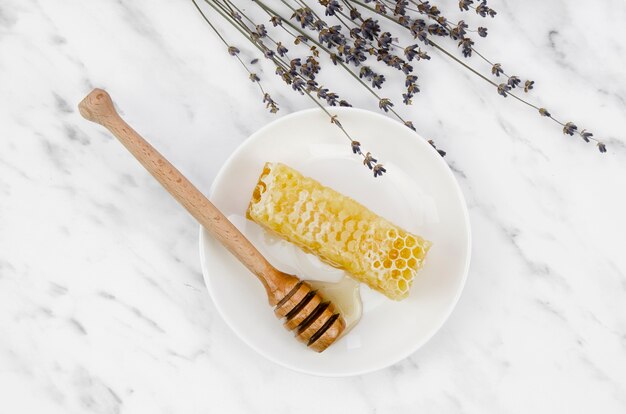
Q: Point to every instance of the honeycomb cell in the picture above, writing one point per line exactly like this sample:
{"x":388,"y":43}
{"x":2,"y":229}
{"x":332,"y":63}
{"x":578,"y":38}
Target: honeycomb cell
{"x":412,"y":262}
{"x":410,"y":241}
{"x":351,"y":245}
{"x":387,"y":264}
{"x":357,"y":235}
{"x":400,"y":263}
{"x":402,"y":285}
{"x":258,"y":190}
{"x":393,"y":254}
{"x":407,"y":274}
{"x":395,"y":273}
{"x":398,"y":243}
{"x":405,"y":253}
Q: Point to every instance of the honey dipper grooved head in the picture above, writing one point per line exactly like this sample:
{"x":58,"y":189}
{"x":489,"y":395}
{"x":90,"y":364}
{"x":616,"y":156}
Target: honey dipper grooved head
{"x":315,"y":321}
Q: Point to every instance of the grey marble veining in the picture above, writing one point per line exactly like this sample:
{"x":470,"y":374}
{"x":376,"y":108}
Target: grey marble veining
{"x":102,"y":304}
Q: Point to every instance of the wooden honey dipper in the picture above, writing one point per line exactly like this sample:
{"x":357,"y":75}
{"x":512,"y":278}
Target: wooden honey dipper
{"x":315,"y":321}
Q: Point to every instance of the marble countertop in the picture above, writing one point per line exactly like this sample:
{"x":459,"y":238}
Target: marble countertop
{"x":103,"y":308}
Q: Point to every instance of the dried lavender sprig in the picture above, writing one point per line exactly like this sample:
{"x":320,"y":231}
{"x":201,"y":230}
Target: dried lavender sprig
{"x":376,"y":79}
{"x":481,"y":10}
{"x":447,"y":25}
{"x":405,"y":68}
{"x":496,"y":67}
{"x":569,"y":128}
{"x":424,"y":8}
{"x":344,"y":24}
{"x":232,"y":6}
{"x":412,"y":87}
{"x":245,"y":31}
{"x":226,"y":11}
{"x":352,"y":10}
{"x":336,"y":13}
{"x":245,"y":16}
{"x":233,"y":51}
{"x":383,"y":102}
{"x":285,"y":67}
{"x":303,"y":4}
{"x":503,"y":89}
{"x":366,"y":71}
{"x":368,"y":160}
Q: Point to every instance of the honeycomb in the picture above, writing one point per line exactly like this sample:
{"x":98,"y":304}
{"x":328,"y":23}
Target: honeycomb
{"x":339,"y":230}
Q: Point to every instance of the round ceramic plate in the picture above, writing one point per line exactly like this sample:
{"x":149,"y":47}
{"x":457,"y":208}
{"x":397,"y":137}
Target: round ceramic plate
{"x":418,"y":193}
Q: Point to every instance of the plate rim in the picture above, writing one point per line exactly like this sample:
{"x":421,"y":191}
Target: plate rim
{"x":400,"y":356}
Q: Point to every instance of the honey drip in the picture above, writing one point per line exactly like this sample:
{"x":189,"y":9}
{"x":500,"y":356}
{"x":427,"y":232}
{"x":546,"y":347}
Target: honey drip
{"x":345,"y":296}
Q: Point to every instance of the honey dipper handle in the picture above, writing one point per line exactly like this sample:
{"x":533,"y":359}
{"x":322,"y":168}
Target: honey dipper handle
{"x":98,"y":107}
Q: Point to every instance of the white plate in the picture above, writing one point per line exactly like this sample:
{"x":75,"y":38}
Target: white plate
{"x":418,"y":193}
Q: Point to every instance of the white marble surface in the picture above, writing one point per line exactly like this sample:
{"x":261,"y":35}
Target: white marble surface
{"x":102,"y":304}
